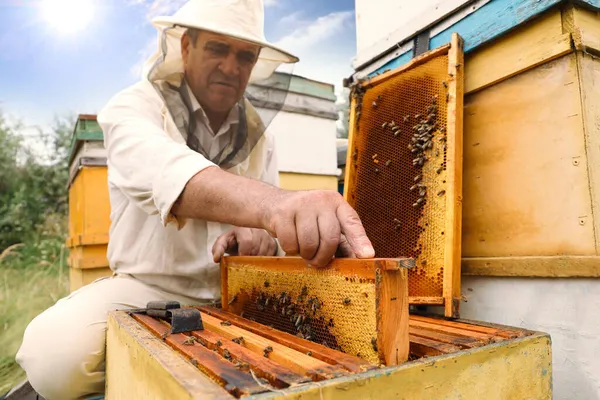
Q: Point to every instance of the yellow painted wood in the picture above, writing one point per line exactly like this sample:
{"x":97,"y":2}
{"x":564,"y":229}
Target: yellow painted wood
{"x":82,"y":277}
{"x":589,"y":81}
{"x":526,"y":185}
{"x":585,"y":25}
{"x":533,"y":44}
{"x":542,"y":267}
{"x":139,"y":366}
{"x":294,"y":181}
{"x":84,"y":257}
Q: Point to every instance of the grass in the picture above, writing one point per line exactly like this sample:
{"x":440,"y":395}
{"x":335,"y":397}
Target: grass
{"x":32,"y":278}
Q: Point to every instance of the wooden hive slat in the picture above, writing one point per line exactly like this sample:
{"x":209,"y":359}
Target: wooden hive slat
{"x":292,"y":359}
{"x":320,"y":352}
{"x":211,"y":363}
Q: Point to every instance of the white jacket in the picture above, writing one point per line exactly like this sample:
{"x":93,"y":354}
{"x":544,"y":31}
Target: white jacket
{"x":149,"y":165}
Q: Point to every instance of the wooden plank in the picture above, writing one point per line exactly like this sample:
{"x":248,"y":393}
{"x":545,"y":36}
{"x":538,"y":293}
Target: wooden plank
{"x":527,"y":47}
{"x":540,"y":267}
{"x":460,"y":341}
{"x":320,"y":352}
{"x":224,"y":283}
{"x":141,"y":366}
{"x":586,"y":30}
{"x":292,"y":359}
{"x":456,"y":331}
{"x":277,"y":375}
{"x":222,"y":371}
{"x":420,"y":59}
{"x":519,"y":202}
{"x":423,"y":347}
{"x":589,"y":82}
{"x":426,"y":300}
{"x":454,"y":156}
{"x":363,"y":268}
{"x":392,"y":316}
{"x":509,"y":334}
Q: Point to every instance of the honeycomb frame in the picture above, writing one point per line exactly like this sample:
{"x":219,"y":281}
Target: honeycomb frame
{"x":358,"y":307}
{"x":404,"y":169}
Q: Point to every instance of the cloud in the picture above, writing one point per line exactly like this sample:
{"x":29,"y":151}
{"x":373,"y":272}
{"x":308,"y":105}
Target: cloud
{"x":318,"y":31}
{"x":144,"y":54}
{"x":325,"y":47}
{"x":160,"y":7}
{"x":270,"y":3}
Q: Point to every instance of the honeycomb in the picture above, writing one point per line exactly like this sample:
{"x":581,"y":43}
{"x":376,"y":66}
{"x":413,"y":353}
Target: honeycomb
{"x":399,"y":169}
{"x":315,"y":304}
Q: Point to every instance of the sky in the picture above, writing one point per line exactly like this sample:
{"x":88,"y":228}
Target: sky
{"x":71,"y":56}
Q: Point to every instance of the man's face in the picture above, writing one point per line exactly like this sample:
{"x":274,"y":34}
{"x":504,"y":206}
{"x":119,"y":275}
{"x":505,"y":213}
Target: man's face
{"x":217,"y":68}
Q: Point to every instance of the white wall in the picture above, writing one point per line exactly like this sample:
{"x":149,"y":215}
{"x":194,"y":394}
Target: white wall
{"x":567,"y":309}
{"x":382,"y":24}
{"x":305,"y":144}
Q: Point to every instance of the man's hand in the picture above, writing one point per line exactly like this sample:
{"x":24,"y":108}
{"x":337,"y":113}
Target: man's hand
{"x":244,"y":242}
{"x":316,"y":225}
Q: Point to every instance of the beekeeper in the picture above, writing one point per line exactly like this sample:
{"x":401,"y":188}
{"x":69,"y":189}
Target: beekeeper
{"x":192,"y":175}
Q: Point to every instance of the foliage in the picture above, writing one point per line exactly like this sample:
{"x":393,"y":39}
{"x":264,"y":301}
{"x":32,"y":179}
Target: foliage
{"x":33,"y":179}
{"x":33,"y":227}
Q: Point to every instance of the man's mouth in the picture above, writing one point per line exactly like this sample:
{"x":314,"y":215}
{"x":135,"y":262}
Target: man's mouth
{"x":227,"y":84}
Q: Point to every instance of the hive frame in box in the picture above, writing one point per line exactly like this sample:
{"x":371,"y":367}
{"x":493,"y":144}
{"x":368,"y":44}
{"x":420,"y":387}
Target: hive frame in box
{"x":377,"y":310}
{"x":447,"y":250}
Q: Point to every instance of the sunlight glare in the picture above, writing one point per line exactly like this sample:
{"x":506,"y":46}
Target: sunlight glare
{"x":67,"y":16}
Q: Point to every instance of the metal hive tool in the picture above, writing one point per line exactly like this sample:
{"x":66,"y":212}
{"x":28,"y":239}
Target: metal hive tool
{"x":404,"y":169}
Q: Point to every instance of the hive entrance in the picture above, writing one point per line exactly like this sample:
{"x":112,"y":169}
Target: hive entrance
{"x":403,"y":173}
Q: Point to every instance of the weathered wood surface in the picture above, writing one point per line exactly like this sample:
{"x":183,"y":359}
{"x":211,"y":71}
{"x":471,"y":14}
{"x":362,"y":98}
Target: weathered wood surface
{"x":320,"y":352}
{"x":209,"y":362}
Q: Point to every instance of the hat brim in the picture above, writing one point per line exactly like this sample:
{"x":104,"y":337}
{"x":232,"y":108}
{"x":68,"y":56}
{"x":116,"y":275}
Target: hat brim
{"x":273,"y":53}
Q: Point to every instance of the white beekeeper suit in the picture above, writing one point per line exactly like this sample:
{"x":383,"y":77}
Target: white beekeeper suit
{"x":157,"y":137}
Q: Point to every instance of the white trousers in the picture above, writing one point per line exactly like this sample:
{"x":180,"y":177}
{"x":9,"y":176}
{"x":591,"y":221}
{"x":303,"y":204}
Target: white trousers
{"x":63,"y":349}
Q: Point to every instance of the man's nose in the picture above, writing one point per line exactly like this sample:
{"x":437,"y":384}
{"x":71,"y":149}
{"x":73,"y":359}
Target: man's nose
{"x":230,"y":66}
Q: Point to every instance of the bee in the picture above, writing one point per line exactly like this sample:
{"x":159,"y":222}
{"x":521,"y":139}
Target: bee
{"x":384,"y":125}
{"x":189,"y":341}
{"x":374,"y":105}
{"x":226,"y":323}
{"x":304,"y":291}
{"x":388,"y":162}
{"x":380,"y":97}
{"x":267,"y":284}
{"x":267,"y":301}
{"x":447,"y":97}
{"x":309,"y":353}
{"x":445,"y":84}
{"x":238,"y":340}
{"x":439,"y":170}
{"x":413,"y":187}
{"x":437,"y":152}
{"x":267,"y":350}
{"x":374,"y":344}
{"x":219,"y":343}
{"x":418,"y":178}
{"x":443,"y":129}
{"x":298,"y":320}
{"x":450,"y":74}
{"x":233,"y":299}
{"x":374,"y":156}
{"x":260,"y":307}
{"x":457,"y":65}
{"x":424,"y":262}
{"x":395,"y":128}
{"x":376,"y":170}
{"x":441,"y":192}
{"x":226,"y":354}
{"x":347,"y":301}
{"x":417,"y":116}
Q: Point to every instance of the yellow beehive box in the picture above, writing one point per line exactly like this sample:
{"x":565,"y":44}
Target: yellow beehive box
{"x":531,"y":155}
{"x":89,"y":206}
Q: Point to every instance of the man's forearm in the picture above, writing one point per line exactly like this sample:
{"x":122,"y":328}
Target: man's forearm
{"x":217,"y":195}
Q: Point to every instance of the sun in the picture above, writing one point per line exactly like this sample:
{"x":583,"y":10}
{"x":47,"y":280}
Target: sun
{"x":67,"y":16}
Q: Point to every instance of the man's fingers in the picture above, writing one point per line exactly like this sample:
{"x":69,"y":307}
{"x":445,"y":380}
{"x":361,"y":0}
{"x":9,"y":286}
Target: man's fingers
{"x":329,"y":237}
{"x":267,"y":245}
{"x":344,"y":250}
{"x":244,"y":240}
{"x":355,"y":233}
{"x":285,"y":230}
{"x":221,"y":245}
{"x":308,"y":234}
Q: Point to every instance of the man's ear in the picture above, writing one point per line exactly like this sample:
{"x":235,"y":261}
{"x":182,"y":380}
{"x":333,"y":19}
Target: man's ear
{"x":185,"y":48}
